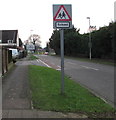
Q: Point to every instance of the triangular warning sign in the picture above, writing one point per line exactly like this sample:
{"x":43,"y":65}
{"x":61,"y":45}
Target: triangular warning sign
{"x":62,"y":15}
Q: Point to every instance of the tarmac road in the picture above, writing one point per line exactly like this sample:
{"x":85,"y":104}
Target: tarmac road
{"x":98,"y":78}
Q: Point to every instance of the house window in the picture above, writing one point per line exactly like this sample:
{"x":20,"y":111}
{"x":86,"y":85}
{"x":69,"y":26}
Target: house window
{"x":10,"y":41}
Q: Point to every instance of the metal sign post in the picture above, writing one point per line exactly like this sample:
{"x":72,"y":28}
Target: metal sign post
{"x":62,"y":59}
{"x":62,"y":19}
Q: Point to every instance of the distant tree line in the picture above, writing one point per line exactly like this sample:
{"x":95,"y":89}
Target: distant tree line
{"x":76,"y":44}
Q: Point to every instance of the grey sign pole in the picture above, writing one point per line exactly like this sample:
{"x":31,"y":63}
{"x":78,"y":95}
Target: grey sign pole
{"x":62,"y":59}
{"x":62,"y":19}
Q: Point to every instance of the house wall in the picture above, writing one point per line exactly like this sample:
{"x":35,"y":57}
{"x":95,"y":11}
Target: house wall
{"x":4,"y":60}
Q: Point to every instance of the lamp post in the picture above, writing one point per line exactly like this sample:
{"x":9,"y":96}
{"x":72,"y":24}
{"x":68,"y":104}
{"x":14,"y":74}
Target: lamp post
{"x":31,"y":35}
{"x":90,"y":44}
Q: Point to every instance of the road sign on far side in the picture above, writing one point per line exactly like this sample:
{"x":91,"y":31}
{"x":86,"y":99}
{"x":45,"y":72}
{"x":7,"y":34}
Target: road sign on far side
{"x":62,"y":16}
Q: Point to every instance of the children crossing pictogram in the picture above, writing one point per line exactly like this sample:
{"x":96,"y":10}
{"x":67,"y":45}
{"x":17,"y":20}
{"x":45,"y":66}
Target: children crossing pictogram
{"x":62,"y":15}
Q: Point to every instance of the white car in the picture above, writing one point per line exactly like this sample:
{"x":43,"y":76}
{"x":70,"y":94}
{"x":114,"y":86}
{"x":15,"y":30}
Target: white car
{"x":15,"y":54}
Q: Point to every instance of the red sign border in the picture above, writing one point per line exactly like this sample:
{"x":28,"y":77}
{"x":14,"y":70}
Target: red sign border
{"x":62,"y":6}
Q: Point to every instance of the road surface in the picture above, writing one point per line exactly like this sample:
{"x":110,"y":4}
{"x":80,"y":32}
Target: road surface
{"x":98,"y":78}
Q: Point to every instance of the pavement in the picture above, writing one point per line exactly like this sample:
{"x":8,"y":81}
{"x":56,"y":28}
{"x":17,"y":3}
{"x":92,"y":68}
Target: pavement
{"x":16,"y":98}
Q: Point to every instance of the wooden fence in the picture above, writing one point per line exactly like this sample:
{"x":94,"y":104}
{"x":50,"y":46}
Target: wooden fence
{"x":5,"y":59}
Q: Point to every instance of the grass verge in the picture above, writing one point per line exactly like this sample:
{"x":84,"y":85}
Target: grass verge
{"x":45,"y":86}
{"x":94,"y":60}
{"x":32,"y":57}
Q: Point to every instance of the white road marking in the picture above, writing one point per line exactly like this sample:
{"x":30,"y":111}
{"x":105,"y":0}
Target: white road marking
{"x":58,"y":66}
{"x":58,"y":69}
{"x":32,"y":105}
{"x":89,"y":67}
{"x":44,"y":63}
{"x":71,"y":63}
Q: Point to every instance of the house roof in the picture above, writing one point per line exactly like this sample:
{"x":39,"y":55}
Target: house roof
{"x":6,"y":35}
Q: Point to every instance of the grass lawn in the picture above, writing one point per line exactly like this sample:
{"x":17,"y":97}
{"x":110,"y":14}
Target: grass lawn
{"x":45,"y":84}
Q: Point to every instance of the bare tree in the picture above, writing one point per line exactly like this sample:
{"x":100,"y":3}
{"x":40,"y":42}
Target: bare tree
{"x":35,"y":39}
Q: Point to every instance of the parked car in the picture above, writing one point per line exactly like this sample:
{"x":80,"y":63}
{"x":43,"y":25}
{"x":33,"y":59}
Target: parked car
{"x":22,"y":53}
{"x":46,"y":53}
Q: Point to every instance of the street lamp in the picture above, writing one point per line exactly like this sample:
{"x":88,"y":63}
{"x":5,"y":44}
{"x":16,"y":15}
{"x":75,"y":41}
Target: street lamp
{"x":31,"y":35}
{"x":90,"y":44}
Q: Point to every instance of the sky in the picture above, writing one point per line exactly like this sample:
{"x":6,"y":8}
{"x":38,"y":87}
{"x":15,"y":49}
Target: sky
{"x":36,"y":16}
